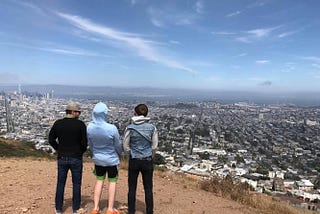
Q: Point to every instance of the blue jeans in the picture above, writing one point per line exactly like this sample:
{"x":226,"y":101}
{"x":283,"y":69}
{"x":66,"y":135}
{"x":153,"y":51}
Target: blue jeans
{"x":75,"y":166}
{"x":146,"y":168}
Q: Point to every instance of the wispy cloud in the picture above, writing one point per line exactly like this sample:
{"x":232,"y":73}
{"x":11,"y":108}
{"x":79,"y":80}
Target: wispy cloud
{"x":144,"y":48}
{"x":262,"y":61}
{"x":258,"y":3}
{"x":312,"y":58}
{"x":72,"y":52}
{"x":164,"y":17}
{"x":133,"y":2}
{"x":156,"y":22}
{"x":289,"y":67}
{"x":261,"y":32}
{"x":244,"y":39}
{"x":199,"y":7}
{"x":286,"y":34}
{"x":238,"y":12}
{"x":223,"y":33}
{"x":30,"y":6}
{"x":241,"y":55}
{"x":256,"y":34}
{"x":57,"y":50}
{"x":175,"y":42}
{"x":33,"y":7}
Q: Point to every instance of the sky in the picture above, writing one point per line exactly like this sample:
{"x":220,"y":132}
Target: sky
{"x":243,"y":45}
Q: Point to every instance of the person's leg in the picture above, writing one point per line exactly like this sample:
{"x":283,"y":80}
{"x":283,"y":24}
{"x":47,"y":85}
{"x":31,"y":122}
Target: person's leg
{"x":147,"y":178}
{"x":112,"y":178}
{"x":63,"y":168}
{"x":97,"y":194}
{"x":133,"y":172}
{"x":100,"y":173}
{"x":76,"y":171}
{"x":112,"y":192}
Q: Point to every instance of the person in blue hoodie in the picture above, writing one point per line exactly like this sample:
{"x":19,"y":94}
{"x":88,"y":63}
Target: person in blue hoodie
{"x":140,"y":141}
{"x":105,"y":144}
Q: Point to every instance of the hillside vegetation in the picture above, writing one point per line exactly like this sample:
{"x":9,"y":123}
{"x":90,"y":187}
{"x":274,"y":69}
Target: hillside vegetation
{"x":13,"y":148}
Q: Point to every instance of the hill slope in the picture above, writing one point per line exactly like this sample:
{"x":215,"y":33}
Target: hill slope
{"x":28,"y":186}
{"x":13,"y":148}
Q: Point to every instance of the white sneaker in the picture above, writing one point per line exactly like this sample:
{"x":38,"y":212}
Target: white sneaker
{"x":80,"y":211}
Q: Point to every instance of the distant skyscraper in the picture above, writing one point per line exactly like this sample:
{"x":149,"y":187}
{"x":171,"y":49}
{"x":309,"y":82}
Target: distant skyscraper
{"x":192,"y":132}
{"x":10,"y":125}
{"x":260,"y":116}
{"x":19,"y":88}
{"x":191,"y":142}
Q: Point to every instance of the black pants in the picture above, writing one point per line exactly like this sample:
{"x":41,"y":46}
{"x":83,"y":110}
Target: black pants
{"x":146,"y":169}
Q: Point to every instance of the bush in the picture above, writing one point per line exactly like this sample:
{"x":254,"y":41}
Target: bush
{"x":12,"y":148}
{"x":224,"y":187}
{"x":241,"y":192}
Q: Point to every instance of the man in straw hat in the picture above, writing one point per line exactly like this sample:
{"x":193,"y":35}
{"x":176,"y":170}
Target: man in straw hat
{"x":68,"y":136}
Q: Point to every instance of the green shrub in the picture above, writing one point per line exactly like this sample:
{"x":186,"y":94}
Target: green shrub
{"x":11,"y":148}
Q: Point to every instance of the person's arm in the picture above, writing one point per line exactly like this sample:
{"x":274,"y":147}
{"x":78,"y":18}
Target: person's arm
{"x":117,"y":142}
{"x":84,"y":139}
{"x":126,"y":141}
{"x":155,"y":139}
{"x":89,"y":139}
{"x":53,"y":138}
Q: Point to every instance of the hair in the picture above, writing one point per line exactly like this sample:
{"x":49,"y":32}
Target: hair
{"x":68,"y":111}
{"x":141,"y":109}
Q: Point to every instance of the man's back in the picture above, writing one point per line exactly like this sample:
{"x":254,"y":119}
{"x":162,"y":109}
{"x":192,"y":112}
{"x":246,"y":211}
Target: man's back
{"x":71,"y":135}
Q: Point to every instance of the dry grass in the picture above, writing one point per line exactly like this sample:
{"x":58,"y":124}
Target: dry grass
{"x":225,"y":188}
{"x":241,"y":193}
{"x":124,"y":162}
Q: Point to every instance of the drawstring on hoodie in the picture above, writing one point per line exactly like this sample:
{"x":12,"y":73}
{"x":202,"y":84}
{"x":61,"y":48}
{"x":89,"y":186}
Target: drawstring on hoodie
{"x":140,"y":119}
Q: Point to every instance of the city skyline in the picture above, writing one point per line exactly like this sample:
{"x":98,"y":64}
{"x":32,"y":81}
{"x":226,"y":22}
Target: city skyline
{"x":251,"y":45}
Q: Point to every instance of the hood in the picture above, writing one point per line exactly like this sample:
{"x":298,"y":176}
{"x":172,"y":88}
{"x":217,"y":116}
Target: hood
{"x":100,"y":112}
{"x":140,"y":119}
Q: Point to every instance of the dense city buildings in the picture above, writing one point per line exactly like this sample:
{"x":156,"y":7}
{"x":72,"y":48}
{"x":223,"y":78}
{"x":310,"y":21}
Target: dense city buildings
{"x":275,"y":148}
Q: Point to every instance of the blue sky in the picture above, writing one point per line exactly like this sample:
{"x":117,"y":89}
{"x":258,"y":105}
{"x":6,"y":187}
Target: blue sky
{"x":250,"y":45}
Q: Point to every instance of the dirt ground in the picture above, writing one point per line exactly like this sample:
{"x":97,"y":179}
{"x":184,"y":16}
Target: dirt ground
{"x":28,"y":186}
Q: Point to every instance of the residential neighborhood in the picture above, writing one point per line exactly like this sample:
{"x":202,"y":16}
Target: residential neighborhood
{"x":275,"y":148}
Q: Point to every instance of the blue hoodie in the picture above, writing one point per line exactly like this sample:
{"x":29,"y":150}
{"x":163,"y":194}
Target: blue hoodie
{"x":103,"y":138}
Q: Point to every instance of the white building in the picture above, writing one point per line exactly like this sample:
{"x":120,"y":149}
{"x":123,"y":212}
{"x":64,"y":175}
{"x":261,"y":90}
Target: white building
{"x":278,"y":174}
{"x":304,"y":185}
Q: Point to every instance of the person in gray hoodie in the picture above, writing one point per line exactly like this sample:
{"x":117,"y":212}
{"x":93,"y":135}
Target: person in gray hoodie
{"x":105,"y":144}
{"x":140,"y":141}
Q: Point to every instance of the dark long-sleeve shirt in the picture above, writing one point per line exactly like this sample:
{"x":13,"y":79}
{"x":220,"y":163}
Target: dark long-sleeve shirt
{"x":68,"y":136}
